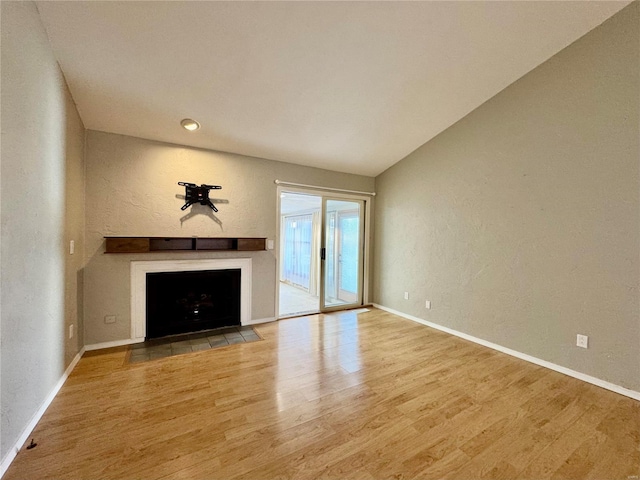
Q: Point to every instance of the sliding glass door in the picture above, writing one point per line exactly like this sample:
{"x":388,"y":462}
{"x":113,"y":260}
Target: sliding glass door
{"x":341,"y":253}
{"x":321,"y":260}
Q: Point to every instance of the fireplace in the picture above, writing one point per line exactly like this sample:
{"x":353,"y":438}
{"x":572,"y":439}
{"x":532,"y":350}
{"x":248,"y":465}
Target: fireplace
{"x":238,"y":312}
{"x":185,"y":302}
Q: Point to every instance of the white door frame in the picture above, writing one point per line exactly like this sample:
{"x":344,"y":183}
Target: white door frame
{"x":367,"y":240}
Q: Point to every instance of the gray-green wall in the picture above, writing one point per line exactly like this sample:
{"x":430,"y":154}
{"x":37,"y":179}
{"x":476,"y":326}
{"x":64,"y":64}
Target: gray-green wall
{"x":42,"y":209}
{"x":521,"y":222}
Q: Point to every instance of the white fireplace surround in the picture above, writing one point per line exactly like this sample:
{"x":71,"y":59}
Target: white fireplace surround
{"x":139,"y":270}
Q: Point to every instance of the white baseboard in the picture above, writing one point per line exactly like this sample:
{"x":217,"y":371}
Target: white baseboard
{"x":6,"y":461}
{"x":115,"y":343}
{"x":256,"y":321}
{"x":523,"y":356}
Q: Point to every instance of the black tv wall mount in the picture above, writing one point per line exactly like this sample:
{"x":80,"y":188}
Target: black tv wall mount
{"x":198,"y":194}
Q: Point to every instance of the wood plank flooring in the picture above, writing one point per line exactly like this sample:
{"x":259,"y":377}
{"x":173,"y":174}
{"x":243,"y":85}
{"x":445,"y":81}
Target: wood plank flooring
{"x":342,"y":396}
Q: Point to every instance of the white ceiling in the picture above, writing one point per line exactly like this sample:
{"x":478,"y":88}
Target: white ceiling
{"x":348,"y":86}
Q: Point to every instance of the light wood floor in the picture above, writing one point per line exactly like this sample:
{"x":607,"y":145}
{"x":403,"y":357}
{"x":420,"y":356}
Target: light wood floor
{"x":343,"y":396}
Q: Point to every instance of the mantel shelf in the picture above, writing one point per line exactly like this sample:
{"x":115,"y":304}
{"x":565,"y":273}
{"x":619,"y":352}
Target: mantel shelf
{"x":188,"y":244}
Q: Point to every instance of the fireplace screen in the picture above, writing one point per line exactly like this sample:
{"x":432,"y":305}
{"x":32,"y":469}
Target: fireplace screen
{"x":184,"y":302}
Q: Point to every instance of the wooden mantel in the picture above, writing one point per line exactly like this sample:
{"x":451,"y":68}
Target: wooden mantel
{"x":164,"y":244}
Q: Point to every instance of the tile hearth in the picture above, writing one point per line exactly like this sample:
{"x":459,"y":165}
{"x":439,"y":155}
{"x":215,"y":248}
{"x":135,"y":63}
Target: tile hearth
{"x":193,"y":342}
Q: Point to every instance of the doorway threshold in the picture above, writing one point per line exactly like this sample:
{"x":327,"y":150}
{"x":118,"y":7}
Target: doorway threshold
{"x":298,"y":314}
{"x":354,"y":309}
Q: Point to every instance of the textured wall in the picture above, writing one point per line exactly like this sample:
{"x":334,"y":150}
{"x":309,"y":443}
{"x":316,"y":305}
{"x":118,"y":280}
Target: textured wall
{"x":521,"y":222}
{"x":131,"y":191}
{"x":74,"y":228}
{"x":42,"y":209}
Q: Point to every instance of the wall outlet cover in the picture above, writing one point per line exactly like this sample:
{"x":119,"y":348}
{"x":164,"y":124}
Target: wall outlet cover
{"x":406,"y":295}
{"x":582,"y":341}
{"x":427,"y":304}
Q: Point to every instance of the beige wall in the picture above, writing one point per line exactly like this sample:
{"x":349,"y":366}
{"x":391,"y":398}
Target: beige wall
{"x":42,"y":208}
{"x":74,"y":228}
{"x":521,"y":223}
{"x":132,"y":191}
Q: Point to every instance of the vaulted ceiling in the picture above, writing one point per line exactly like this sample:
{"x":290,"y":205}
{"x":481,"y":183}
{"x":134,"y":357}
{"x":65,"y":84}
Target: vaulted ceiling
{"x":348,"y":86}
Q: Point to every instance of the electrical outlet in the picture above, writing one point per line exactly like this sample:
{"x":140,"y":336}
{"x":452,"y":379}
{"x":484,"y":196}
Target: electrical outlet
{"x":406,"y":295}
{"x":582,"y":341}
{"x":72,"y":247}
{"x":70,"y":331}
{"x":109,"y":319}
{"x":427,"y":304}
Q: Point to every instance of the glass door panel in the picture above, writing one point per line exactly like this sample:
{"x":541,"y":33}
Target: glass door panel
{"x":300,"y":227}
{"x":342,"y":253}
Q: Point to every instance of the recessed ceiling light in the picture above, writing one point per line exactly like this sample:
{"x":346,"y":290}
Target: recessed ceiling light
{"x":189,"y":124}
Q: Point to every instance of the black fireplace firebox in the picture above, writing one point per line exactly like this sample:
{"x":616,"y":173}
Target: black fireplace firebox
{"x":184,"y":302}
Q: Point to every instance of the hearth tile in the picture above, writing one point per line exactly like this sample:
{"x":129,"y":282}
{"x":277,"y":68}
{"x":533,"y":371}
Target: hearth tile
{"x":199,"y":341}
{"x":178,"y":338}
{"x":200,"y":347}
{"x":228,"y":330}
{"x":237,"y":339}
{"x":245,"y":328}
{"x":218,"y":341}
{"x":180,"y":349}
{"x":139,"y":358}
{"x":232,"y":335}
{"x":139,"y":346}
{"x":250,"y":336}
{"x":196,"y":336}
{"x":181,"y":343}
{"x":154,"y":342}
{"x":160,"y":354}
{"x":163,"y":347}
